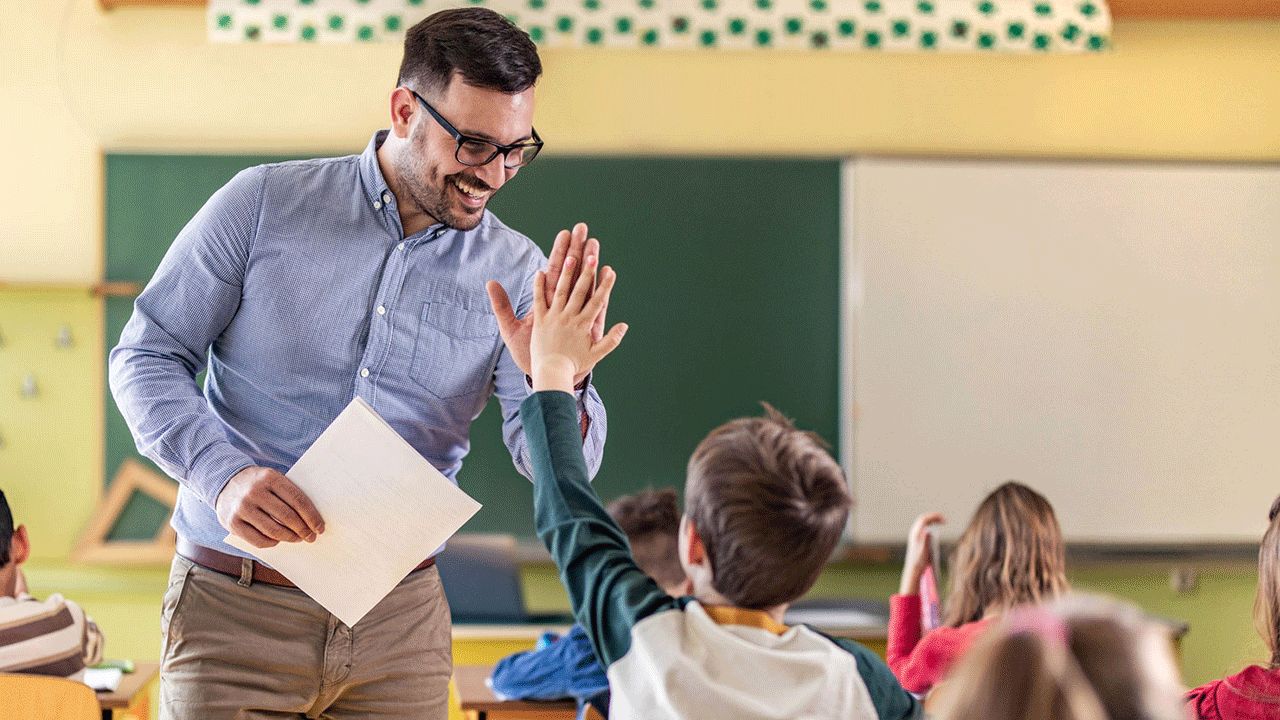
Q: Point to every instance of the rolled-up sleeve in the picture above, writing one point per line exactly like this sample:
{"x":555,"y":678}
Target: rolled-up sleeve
{"x":185,"y":307}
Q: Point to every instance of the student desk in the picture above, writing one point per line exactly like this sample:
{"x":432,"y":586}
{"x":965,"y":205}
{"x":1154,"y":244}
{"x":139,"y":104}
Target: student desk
{"x":478,"y":702}
{"x":132,"y":699}
{"x":487,"y":644}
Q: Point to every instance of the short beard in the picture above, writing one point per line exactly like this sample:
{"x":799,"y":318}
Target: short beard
{"x":434,"y":199}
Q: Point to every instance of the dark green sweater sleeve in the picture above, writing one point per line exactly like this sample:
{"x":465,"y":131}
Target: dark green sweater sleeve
{"x":609,"y":592}
{"x":891,"y":700}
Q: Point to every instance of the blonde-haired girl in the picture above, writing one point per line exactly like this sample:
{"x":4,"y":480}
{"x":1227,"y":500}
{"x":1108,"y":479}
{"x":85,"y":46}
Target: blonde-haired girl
{"x":1010,"y":554}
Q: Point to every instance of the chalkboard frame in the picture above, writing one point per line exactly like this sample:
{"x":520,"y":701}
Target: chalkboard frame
{"x":729,"y":277}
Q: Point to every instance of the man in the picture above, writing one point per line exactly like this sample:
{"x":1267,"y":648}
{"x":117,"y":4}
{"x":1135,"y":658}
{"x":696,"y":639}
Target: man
{"x":49,"y":637}
{"x":307,"y":283}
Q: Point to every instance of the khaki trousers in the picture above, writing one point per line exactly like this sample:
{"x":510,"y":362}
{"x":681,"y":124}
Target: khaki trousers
{"x":263,"y":651}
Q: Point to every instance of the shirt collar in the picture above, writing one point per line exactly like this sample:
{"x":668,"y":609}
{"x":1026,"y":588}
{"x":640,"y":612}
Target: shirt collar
{"x":375,"y":185}
{"x":725,"y":615}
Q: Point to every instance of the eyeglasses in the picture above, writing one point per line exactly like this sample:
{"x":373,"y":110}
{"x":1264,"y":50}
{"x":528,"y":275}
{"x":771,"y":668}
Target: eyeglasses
{"x":476,"y":151}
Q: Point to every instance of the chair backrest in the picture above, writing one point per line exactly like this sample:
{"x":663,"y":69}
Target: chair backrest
{"x":38,"y":697}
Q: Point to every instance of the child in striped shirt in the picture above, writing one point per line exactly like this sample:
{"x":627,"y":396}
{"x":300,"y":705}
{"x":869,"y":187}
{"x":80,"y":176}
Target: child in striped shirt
{"x":41,"y":637}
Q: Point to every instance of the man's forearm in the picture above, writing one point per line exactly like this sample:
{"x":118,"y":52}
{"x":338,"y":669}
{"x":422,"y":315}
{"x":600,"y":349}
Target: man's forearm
{"x":171,"y":422}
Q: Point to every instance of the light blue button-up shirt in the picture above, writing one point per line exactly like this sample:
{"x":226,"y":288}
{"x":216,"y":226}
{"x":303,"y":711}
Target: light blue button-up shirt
{"x":295,"y":286}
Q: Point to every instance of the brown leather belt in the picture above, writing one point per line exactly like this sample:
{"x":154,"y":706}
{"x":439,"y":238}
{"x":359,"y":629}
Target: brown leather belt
{"x":221,"y":562}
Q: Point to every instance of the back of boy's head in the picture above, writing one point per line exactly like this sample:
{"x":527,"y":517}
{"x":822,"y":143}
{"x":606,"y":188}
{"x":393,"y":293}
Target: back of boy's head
{"x":6,"y":529}
{"x":769,"y":504}
{"x":651,"y":520}
{"x":1010,"y":554}
{"x":1083,"y":659}
{"x":1266,"y":608}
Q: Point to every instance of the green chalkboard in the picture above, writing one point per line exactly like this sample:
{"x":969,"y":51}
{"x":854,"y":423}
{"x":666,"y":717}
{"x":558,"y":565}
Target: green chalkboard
{"x":728,"y":276}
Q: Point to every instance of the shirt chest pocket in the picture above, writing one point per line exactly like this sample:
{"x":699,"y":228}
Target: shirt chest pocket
{"x":455,"y":350}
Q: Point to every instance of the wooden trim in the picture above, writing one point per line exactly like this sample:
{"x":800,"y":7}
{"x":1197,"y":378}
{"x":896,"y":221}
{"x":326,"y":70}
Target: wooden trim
{"x":1120,"y":9}
{"x":1193,"y":9}
{"x":93,"y":546}
{"x":116,"y":289}
{"x":1091,"y":553}
{"x":102,"y":289}
{"x":113,"y":4}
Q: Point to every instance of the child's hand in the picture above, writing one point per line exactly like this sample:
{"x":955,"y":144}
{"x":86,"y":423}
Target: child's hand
{"x":564,"y":342}
{"x":917,"y":558}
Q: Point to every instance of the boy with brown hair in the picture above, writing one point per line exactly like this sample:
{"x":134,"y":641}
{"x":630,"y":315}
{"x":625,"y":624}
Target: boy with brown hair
{"x":765,"y":505}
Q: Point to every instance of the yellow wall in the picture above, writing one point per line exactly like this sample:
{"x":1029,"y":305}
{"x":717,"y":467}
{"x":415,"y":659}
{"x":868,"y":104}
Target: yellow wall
{"x":78,"y":80}
{"x":51,"y":444}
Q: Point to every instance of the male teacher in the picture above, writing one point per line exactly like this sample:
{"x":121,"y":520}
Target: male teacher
{"x":301,"y":285}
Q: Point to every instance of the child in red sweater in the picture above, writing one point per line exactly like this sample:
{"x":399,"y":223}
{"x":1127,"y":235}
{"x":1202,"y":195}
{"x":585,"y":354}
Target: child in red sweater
{"x":1010,"y":554}
{"x":1253,"y":693}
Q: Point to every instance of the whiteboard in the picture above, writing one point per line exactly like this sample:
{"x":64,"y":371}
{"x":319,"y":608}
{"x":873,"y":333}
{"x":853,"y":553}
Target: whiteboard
{"x":1108,"y":333}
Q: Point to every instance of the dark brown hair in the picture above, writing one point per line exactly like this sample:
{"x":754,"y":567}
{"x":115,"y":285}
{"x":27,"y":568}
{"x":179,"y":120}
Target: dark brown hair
{"x":651,"y":520}
{"x":1266,"y":607}
{"x":770,"y":504}
{"x":1082,"y":659}
{"x":1010,"y":554}
{"x":486,"y":49}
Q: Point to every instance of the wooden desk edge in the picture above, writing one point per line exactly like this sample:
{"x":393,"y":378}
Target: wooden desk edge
{"x":130,"y":685}
{"x":475,"y":695}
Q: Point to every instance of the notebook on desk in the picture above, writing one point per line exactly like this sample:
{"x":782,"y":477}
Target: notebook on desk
{"x":482,"y":582}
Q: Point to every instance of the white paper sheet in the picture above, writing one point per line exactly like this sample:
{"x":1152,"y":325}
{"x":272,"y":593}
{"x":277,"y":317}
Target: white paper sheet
{"x":385,"y":509}
{"x":103,"y":679}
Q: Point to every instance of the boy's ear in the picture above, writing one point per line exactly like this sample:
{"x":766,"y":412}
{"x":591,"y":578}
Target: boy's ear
{"x":19,"y":546}
{"x":695,"y":553}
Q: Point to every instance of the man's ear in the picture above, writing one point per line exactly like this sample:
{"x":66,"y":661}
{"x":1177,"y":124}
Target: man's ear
{"x":19,"y":546}
{"x":404,"y":106}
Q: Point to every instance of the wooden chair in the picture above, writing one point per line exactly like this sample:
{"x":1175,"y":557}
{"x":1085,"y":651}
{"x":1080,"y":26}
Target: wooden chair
{"x":37,"y":697}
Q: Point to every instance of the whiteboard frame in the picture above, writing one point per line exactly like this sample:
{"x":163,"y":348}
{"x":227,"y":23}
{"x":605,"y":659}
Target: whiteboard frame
{"x":853,"y":274}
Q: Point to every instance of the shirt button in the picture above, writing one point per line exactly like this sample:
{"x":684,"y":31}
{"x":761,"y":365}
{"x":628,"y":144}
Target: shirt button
{"x":377,"y":205}
{"x":386,"y":197}
{"x":400,"y":246}
{"x":382,"y":309}
{"x":364,"y":372}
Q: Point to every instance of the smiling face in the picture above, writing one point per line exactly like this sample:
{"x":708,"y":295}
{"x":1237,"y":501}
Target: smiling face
{"x":430,"y":179}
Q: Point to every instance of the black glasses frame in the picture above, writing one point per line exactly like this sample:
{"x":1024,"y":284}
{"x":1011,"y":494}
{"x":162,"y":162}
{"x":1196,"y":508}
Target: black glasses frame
{"x":504,"y":150}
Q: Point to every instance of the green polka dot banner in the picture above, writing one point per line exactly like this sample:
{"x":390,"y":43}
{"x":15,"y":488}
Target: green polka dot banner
{"x":1025,"y":26}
